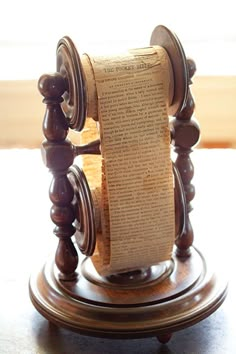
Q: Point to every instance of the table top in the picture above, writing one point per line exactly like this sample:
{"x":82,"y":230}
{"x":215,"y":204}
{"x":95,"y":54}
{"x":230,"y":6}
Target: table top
{"x":27,"y":240}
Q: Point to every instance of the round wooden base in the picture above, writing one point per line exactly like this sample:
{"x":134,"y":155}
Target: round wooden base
{"x":152,"y":302}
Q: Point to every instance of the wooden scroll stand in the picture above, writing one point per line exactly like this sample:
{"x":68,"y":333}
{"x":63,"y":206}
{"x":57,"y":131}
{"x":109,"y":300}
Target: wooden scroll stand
{"x":68,"y":291}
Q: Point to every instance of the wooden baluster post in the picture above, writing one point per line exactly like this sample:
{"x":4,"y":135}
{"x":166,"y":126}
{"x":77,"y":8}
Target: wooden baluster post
{"x":58,"y":156}
{"x":186,"y":135}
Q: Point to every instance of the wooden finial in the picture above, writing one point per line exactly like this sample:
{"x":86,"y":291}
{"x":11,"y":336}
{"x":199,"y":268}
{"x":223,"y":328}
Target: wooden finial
{"x":52,"y":86}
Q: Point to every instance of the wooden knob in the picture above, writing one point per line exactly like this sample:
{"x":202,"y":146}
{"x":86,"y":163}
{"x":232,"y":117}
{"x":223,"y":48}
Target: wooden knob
{"x":191,"y":67}
{"x":185,"y":134}
{"x":52,"y":86}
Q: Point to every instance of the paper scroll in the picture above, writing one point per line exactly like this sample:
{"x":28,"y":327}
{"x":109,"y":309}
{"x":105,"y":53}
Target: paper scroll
{"x":129,"y":95}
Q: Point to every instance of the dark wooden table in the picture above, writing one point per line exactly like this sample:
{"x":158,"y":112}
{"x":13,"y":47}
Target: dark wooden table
{"x":27,"y":241}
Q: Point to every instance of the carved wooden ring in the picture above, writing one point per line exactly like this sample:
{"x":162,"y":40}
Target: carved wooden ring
{"x":163,"y":37}
{"x":181,"y":211}
{"x":69,"y":66}
{"x":84,"y":211}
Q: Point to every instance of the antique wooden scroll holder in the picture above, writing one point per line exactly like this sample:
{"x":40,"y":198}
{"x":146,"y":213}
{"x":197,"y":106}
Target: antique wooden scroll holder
{"x":156,"y":301}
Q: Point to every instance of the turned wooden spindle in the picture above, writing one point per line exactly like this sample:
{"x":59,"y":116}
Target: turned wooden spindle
{"x":58,"y":156}
{"x":186,"y":132}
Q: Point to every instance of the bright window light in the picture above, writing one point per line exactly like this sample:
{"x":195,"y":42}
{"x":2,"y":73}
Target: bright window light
{"x":30,"y":30}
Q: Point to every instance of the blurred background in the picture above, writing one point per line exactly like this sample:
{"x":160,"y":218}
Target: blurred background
{"x":30,"y":31}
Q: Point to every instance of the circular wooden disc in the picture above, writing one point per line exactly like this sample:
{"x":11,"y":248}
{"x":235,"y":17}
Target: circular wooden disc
{"x":180,"y":203}
{"x":163,"y":37}
{"x":85,"y":215}
{"x":164,"y":281}
{"x":189,"y":294}
{"x":69,"y":65}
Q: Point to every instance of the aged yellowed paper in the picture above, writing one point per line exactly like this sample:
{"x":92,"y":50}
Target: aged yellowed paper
{"x":136,"y":199}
